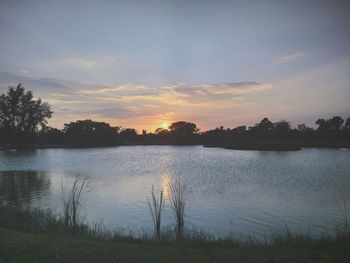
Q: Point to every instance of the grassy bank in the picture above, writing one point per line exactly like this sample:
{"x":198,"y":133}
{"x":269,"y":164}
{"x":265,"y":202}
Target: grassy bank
{"x":39,"y":236}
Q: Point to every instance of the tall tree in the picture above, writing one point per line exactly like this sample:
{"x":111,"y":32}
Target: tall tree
{"x":347,"y":124}
{"x":183,"y":132}
{"x":261,"y":130}
{"x":304,"y":128}
{"x":183,"y":128}
{"x":128,"y":133}
{"x":21,"y":115}
{"x":88,"y":132}
{"x":323,"y":125}
{"x":336,"y":122}
{"x":282,"y":126}
{"x":265,"y":124}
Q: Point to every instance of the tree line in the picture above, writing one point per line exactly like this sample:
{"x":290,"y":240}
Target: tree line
{"x":23,"y":122}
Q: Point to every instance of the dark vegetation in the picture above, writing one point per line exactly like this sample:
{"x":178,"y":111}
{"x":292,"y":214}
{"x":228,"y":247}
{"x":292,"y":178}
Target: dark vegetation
{"x":41,"y":236}
{"x":23,"y":123}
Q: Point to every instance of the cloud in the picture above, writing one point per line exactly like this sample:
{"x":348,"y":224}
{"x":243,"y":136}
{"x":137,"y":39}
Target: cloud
{"x":177,"y":93}
{"x":121,"y":90}
{"x":80,"y":63}
{"x":221,"y":91}
{"x":91,"y":68}
{"x":287,"y":58}
{"x":60,"y":92}
{"x":23,"y":71}
{"x":43,"y":86}
{"x":144,"y":104}
{"x":119,"y":113}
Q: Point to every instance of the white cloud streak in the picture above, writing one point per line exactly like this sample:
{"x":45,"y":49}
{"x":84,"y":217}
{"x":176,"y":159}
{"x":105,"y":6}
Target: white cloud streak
{"x":287,"y":58}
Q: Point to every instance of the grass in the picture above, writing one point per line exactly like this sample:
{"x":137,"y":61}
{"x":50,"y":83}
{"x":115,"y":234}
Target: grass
{"x":18,"y":246}
{"x":41,"y":236}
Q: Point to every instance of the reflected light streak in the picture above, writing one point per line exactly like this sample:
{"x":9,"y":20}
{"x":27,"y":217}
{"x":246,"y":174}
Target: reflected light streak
{"x":165,"y":185}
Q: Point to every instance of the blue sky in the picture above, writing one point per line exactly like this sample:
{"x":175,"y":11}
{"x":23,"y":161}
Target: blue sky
{"x":142,"y":63}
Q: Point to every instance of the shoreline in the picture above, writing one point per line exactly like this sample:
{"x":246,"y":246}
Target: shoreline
{"x":256,"y":146}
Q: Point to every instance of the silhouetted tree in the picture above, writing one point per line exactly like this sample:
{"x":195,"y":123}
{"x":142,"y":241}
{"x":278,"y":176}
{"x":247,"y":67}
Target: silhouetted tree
{"x":281,"y":129}
{"x":161,"y":131}
{"x":335,"y":123}
{"x":128,"y":133}
{"x":282,"y":126}
{"x":162,"y":136}
{"x":88,"y":132}
{"x":239,"y":133}
{"x":323,"y":125}
{"x":304,"y":128}
{"x":21,"y":115}
{"x":53,"y":136}
{"x":261,"y":130}
{"x":183,"y":128}
{"x":347,"y":124}
{"x":240,"y":129}
{"x":304,"y":133}
{"x":219,"y":135}
{"x":183,"y":132}
{"x":330,"y":130}
{"x":265,"y":124}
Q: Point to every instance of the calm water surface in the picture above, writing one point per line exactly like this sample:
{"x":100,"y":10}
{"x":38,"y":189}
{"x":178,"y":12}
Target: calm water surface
{"x":252,"y":192}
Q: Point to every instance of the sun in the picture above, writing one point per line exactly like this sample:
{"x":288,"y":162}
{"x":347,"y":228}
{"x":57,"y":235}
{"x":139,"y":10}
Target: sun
{"x":165,"y":125}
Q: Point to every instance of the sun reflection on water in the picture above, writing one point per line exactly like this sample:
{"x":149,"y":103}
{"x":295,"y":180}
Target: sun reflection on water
{"x":165,"y":185}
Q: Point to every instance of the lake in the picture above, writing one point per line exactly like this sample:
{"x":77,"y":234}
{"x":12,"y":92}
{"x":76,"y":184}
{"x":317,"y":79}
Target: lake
{"x":227,"y":191}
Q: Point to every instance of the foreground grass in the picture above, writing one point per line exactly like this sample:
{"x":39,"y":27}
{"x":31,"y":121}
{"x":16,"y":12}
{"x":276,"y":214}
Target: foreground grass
{"x":18,"y":246}
{"x":27,"y":236}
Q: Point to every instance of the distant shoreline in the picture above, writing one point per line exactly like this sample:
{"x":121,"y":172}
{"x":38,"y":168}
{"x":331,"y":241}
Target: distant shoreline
{"x":280,"y":146}
{"x":249,"y":146}
{"x":269,"y":146}
{"x":60,"y":146}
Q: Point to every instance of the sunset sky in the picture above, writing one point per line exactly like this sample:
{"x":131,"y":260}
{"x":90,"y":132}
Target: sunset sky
{"x":145,"y":64}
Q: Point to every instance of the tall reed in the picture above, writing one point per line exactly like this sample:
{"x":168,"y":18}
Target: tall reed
{"x":72,"y":198}
{"x":156,"y":206}
{"x":178,"y":203}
